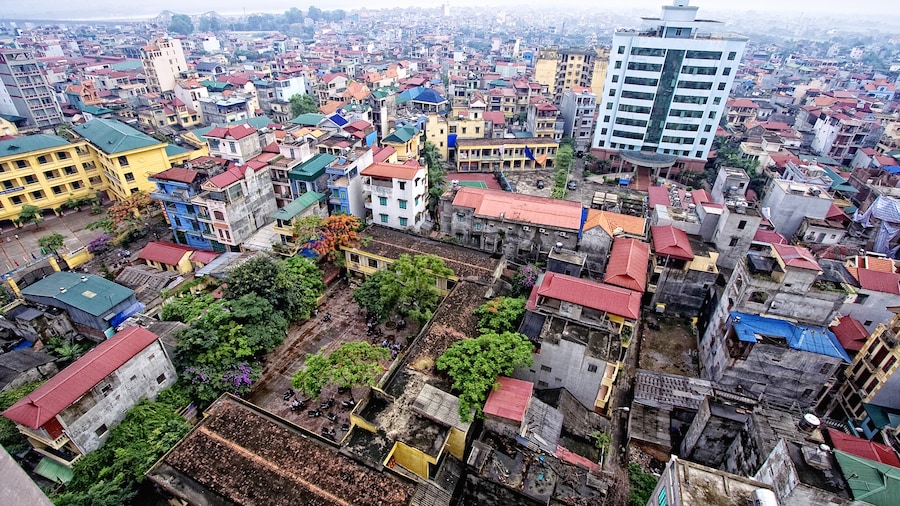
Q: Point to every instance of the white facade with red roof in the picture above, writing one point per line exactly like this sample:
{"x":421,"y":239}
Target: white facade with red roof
{"x":879,"y":289}
{"x":71,"y":414}
{"x":238,"y":143}
{"x":396,"y":195}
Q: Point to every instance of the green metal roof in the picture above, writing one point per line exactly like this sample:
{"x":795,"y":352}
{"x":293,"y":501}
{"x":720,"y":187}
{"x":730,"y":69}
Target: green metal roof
{"x":215,"y":85}
{"x":128,"y":65}
{"x":12,"y":117}
{"x":95,"y":295}
{"x":870,"y":481}
{"x":311,"y":169}
{"x":401,"y":135}
{"x":175,"y":150}
{"x":29,"y":143}
{"x":53,"y":471}
{"x":111,"y":136}
{"x":297,"y":206}
{"x":95,"y":110}
{"x":308,"y":119}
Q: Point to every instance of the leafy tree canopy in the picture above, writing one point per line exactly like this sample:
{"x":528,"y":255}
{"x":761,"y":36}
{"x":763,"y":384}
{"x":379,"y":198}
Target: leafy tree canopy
{"x":474,"y":365}
{"x":52,"y":242}
{"x":209,"y":23}
{"x":354,"y":363}
{"x":437,"y":177}
{"x":303,"y":104}
{"x":407,"y":287}
{"x":292,"y":285}
{"x":131,"y":209}
{"x":185,"y":309}
{"x":500,"y":315}
{"x":181,"y":23}
{"x":30,"y":214}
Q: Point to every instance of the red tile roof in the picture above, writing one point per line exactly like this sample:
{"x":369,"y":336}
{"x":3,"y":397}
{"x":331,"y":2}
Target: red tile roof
{"x":203,"y":257}
{"x":571,"y":457}
{"x":836,"y":212}
{"x":850,"y":332}
{"x":769,"y":236}
{"x":671,"y":242}
{"x":515,"y":207}
{"x":391,"y":170}
{"x":382,"y":154}
{"x":628,"y":264}
{"x":885,"y":282}
{"x":60,"y":391}
{"x":511,"y":400}
{"x":235,"y":132}
{"x":658,"y":196}
{"x":177,"y":174}
{"x":583,"y":292}
{"x":863,"y":448}
{"x":166,"y":253}
{"x":796,"y":256}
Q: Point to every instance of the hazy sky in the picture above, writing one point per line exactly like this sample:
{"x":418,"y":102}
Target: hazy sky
{"x":135,"y":10}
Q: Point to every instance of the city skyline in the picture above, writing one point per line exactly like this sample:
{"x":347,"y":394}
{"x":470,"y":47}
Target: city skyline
{"x":113,"y":9}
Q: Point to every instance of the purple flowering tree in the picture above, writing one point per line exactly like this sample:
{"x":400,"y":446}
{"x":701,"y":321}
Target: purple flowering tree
{"x":100,"y":243}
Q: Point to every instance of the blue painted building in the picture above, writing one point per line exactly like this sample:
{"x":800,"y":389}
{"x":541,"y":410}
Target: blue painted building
{"x":174,"y":189}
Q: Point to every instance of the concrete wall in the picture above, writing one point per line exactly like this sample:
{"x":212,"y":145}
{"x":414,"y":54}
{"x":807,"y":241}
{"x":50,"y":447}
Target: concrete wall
{"x":565,"y":364}
{"x":873,"y":310}
{"x":136,"y":379}
{"x":683,"y":290}
{"x":729,"y":229}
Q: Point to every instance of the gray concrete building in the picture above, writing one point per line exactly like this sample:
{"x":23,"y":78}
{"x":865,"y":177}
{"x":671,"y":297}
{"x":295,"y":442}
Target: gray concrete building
{"x":578,"y":107}
{"x":24,"y":90}
{"x":788,"y":202}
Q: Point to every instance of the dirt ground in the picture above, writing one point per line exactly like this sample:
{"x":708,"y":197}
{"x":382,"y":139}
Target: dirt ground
{"x":347,"y":324}
{"x":672,"y":349}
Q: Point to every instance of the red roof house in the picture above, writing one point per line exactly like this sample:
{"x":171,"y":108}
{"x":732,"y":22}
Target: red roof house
{"x":510,"y":401}
{"x":851,"y":333}
{"x":627,"y":265}
{"x":582,"y":292}
{"x":795,"y":256}
{"x":863,"y":448}
{"x":672,"y":242}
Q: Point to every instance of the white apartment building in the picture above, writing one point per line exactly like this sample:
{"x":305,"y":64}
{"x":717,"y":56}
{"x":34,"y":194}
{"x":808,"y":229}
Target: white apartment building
{"x":163,"y":61}
{"x":666,"y":86}
{"x":396,"y":195}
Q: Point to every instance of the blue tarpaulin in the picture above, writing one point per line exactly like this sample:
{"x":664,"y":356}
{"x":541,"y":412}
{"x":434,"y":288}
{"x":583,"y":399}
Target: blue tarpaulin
{"x":451,"y":140}
{"x":799,"y":337}
{"x":529,"y":154}
{"x":122,"y":316}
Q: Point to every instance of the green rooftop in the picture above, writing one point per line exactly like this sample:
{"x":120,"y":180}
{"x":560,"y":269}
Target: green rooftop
{"x":870,"y":481}
{"x":93,"y":294}
{"x":111,"y":136}
{"x":308,"y":119}
{"x":29,"y":143}
{"x":215,"y":85}
{"x":311,"y":169}
{"x":401,"y":135}
{"x":128,"y":65}
{"x":297,"y":206}
{"x":175,"y":150}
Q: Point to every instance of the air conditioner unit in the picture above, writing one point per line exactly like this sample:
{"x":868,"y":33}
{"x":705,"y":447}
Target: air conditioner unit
{"x":541,"y":230}
{"x":526,"y":228}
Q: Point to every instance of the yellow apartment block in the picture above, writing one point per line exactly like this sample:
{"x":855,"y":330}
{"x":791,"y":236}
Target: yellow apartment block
{"x":489,"y":155}
{"x":45,"y":171}
{"x":438,"y":131}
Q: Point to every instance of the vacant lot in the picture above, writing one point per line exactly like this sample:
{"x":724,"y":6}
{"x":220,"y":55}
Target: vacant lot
{"x":672,"y":349}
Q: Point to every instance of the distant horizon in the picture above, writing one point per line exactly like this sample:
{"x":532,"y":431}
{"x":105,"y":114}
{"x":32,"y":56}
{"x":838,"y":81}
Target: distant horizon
{"x":114,"y":10}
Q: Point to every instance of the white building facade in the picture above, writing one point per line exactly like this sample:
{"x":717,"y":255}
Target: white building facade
{"x":396,"y":195}
{"x":666,"y":87}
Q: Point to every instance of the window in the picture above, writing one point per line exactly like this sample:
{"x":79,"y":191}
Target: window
{"x":22,"y":164}
{"x":62,"y":155}
{"x":721,"y":87}
{"x":16,"y":200}
{"x":861,"y":298}
{"x":416,"y":201}
{"x":218,"y":215}
{"x":463,"y":129}
{"x":546,"y":369}
{"x":123,"y":161}
{"x":592,"y":368}
{"x":402,"y":185}
{"x":478,"y":226}
{"x":615,"y":79}
{"x":732,"y":55}
{"x":160,"y":379}
{"x":401,"y":203}
{"x":129,"y":176}
{"x":42,"y":159}
{"x":382,"y":201}
{"x":403,"y":222}
{"x":373,"y":263}
{"x":609,"y":106}
{"x":867,"y":323}
{"x":742,"y":224}
{"x":101,"y":430}
{"x":661,"y":499}
{"x":106,"y":389}
{"x":76,"y":185}
{"x":543,"y":384}
{"x":733,"y":242}
{"x":57,"y":190}
{"x":29,"y":179}
{"x":612,"y":93}
{"x":37,"y":195}
{"x":383,"y":217}
{"x":647,"y":51}
{"x":460,"y":218}
{"x":726,"y":71}
{"x":621,"y":50}
{"x":707,"y":128}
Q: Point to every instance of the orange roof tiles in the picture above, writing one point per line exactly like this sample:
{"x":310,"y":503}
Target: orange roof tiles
{"x":796,"y":256}
{"x":627,"y":265}
{"x":609,"y":222}
{"x":510,"y":401}
{"x":520,"y":208}
{"x":672,"y":242}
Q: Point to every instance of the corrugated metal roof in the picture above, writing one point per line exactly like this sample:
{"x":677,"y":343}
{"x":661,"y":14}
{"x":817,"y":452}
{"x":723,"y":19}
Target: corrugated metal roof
{"x":526,"y":209}
{"x":297,"y":206}
{"x":627,"y":265}
{"x":113,"y":137}
{"x":583,"y":292}
{"x":166,"y":253}
{"x":850,"y":332}
{"x":312,"y":168}
{"x":863,"y":448}
{"x":798,"y":337}
{"x":510,"y":401}
{"x":870,"y":481}
{"x":94,"y":294}
{"x":60,"y":391}
{"x":391,"y":170}
{"x":796,"y":256}
{"x":29,"y":143}
{"x":671,"y":242}
{"x":885,"y":282}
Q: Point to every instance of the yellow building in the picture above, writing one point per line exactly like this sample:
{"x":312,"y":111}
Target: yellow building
{"x":306,"y":205}
{"x":545,"y":68}
{"x":566,"y":68}
{"x":45,"y":171}
{"x":601,"y":64}
{"x":439,"y":129}
{"x":7,"y":127}
{"x":405,"y":140}
{"x":488,"y":155}
{"x":126,"y":156}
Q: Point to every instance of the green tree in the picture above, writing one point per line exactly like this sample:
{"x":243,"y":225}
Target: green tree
{"x":407,"y":287}
{"x":52,"y":242}
{"x":187,"y":308}
{"x":474,"y":365}
{"x":292,"y":285}
{"x":352,"y":364}
{"x":501,"y":314}
{"x":303,"y":104}
{"x":642,"y":485}
{"x":10,"y":437}
{"x":66,"y":351}
{"x":209,"y":23}
{"x":181,"y":23}
{"x":437,"y":177}
{"x":112,"y":474}
{"x":314,"y":13}
{"x":30,"y":214}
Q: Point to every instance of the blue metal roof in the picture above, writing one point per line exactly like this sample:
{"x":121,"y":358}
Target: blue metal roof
{"x":338,"y":120}
{"x":799,"y":337}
